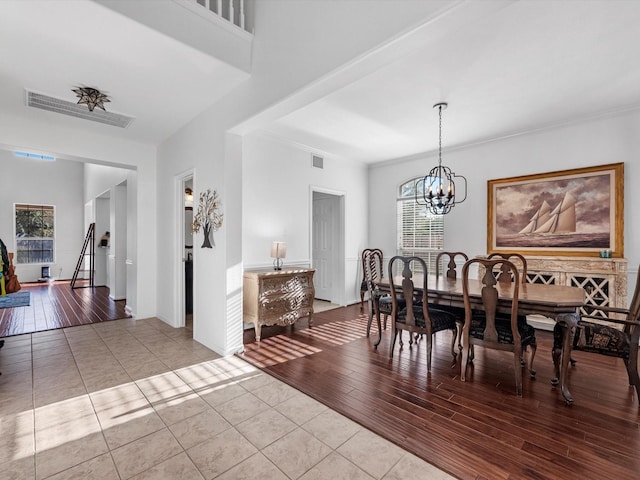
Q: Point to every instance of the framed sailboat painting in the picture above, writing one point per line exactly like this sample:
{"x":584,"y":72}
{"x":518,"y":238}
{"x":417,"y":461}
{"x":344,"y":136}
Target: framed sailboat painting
{"x":577,"y":212}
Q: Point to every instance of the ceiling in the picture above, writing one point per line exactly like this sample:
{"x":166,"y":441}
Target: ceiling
{"x":521,"y":67}
{"x":514,"y":67}
{"x":50,"y":47}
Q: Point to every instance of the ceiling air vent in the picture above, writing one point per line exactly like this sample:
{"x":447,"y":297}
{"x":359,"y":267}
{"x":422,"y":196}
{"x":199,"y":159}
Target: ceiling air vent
{"x":317,"y":161}
{"x":57,"y":105}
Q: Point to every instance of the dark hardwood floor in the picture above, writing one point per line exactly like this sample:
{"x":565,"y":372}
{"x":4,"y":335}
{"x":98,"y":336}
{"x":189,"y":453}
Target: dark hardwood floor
{"x":478,"y":429}
{"x":57,"y":305}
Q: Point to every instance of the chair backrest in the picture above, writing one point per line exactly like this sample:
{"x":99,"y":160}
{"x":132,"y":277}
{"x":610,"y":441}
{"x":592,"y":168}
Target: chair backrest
{"x":490,"y":295}
{"x":451,"y":264}
{"x":372,"y":266}
{"x":504,"y":275}
{"x":407,"y":288}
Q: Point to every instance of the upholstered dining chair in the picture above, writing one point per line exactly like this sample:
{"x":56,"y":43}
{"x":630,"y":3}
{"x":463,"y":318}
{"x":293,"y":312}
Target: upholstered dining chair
{"x":505,"y":276}
{"x":372,"y":260}
{"x":372,"y":272}
{"x":615,"y":333}
{"x":517,"y":259}
{"x":451,"y":271}
{"x":484,"y":327}
{"x":452,"y":266}
{"x":410,"y":308}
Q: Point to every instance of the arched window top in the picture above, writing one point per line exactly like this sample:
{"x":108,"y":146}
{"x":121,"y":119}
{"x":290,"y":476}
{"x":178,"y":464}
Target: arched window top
{"x":408,"y":188}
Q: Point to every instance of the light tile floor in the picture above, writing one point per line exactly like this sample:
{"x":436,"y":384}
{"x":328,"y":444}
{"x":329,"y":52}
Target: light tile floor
{"x":139,"y":399}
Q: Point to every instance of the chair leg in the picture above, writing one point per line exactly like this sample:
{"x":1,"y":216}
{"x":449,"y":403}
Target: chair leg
{"x":454,"y":337}
{"x":464,"y":352}
{"x":370,"y":317}
{"x":532,"y":372}
{"x":393,"y":341}
{"x":556,"y":354}
{"x":385,"y":321}
{"x":429,"y":347}
{"x":361,"y":299}
{"x":632,"y":368}
{"x":518,"y":369}
{"x":399,"y":333}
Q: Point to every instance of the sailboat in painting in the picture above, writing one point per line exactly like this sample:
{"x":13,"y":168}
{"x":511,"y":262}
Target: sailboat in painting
{"x":560,"y":220}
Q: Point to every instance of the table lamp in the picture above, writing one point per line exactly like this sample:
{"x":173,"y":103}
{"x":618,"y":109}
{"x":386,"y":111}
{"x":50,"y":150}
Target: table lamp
{"x":278,"y":251}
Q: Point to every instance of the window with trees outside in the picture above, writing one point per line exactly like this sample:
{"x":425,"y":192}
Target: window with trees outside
{"x":34,"y":233}
{"x":420,"y":233}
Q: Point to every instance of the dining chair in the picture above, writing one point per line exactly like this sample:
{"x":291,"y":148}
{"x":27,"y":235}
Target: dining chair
{"x":505,"y":276}
{"x":615,"y":333}
{"x":520,"y":263}
{"x":372,"y":259}
{"x":410,"y":309}
{"x":372,"y":272}
{"x":451,"y":271}
{"x":452,"y":266}
{"x":483,"y":326}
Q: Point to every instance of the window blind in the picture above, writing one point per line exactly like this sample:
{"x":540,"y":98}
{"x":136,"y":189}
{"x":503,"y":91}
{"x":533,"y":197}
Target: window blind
{"x":420,"y":233}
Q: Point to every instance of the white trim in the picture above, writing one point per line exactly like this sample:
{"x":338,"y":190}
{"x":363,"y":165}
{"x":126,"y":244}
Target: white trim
{"x":179,"y":255}
{"x":339,"y":289}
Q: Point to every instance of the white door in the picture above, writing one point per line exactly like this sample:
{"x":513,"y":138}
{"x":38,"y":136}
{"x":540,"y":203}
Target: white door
{"x":325,"y":247}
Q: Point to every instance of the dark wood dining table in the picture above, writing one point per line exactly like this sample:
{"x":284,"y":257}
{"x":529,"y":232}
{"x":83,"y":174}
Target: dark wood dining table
{"x":558,"y":302}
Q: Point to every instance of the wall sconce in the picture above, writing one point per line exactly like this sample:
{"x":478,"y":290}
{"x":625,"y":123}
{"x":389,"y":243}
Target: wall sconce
{"x":188,"y":197}
{"x":278,"y":251}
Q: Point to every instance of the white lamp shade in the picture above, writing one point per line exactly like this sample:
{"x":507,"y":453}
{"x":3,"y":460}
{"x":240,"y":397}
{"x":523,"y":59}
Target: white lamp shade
{"x":278,"y":249}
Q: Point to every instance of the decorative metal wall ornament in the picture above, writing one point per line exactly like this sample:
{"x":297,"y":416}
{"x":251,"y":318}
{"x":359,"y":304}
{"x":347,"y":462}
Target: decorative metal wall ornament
{"x":430,"y":191}
{"x":91,"y":97}
{"x":209,"y":216}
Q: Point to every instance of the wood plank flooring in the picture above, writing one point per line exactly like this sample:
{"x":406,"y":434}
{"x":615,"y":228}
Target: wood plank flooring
{"x":57,"y":305}
{"x":478,"y":429}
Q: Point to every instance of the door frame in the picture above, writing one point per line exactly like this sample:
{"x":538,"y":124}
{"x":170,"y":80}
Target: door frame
{"x":180,"y":258}
{"x":338,"y":295}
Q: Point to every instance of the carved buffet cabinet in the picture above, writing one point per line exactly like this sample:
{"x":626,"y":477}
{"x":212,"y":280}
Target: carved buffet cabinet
{"x":604,"y":281}
{"x":277,"y":297}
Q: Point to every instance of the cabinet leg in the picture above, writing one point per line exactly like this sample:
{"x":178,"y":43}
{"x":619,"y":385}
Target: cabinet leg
{"x":258,"y":328}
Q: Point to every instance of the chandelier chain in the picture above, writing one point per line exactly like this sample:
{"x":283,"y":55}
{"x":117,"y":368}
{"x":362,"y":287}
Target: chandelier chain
{"x":440,"y":135}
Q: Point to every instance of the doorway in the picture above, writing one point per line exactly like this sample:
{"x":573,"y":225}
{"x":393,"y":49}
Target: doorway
{"x":328,"y":245}
{"x":185,"y":276}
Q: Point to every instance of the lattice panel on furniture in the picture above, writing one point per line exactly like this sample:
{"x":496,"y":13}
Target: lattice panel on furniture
{"x":544,"y":278}
{"x":604,"y":281}
{"x":596,"y":290}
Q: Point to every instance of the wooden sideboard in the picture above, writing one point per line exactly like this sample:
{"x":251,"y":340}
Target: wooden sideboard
{"x":604,"y":281}
{"x":277,"y":297}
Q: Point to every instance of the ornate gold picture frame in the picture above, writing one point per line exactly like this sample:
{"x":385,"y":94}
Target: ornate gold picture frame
{"x":577,"y":212}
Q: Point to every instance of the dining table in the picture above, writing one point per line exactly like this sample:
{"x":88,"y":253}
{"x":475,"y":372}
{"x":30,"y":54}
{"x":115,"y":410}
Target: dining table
{"x":558,"y":302}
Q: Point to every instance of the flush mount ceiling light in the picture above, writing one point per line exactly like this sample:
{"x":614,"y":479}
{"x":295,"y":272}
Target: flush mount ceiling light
{"x":91,"y":97}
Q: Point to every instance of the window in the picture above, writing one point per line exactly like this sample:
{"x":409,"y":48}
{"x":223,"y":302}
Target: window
{"x":420,"y":233}
{"x":34,"y":233}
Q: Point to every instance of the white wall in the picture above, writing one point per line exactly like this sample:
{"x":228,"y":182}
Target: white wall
{"x":38,"y":182}
{"x":593,"y":142}
{"x":99,"y":179}
{"x":277,"y":180}
{"x":102,"y":220}
{"x":291,"y":50}
{"x":118,"y":251}
{"x":45,"y":135}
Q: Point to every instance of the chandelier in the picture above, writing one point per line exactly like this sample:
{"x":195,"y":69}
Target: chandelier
{"x":437,"y":190}
{"x":91,"y":97}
